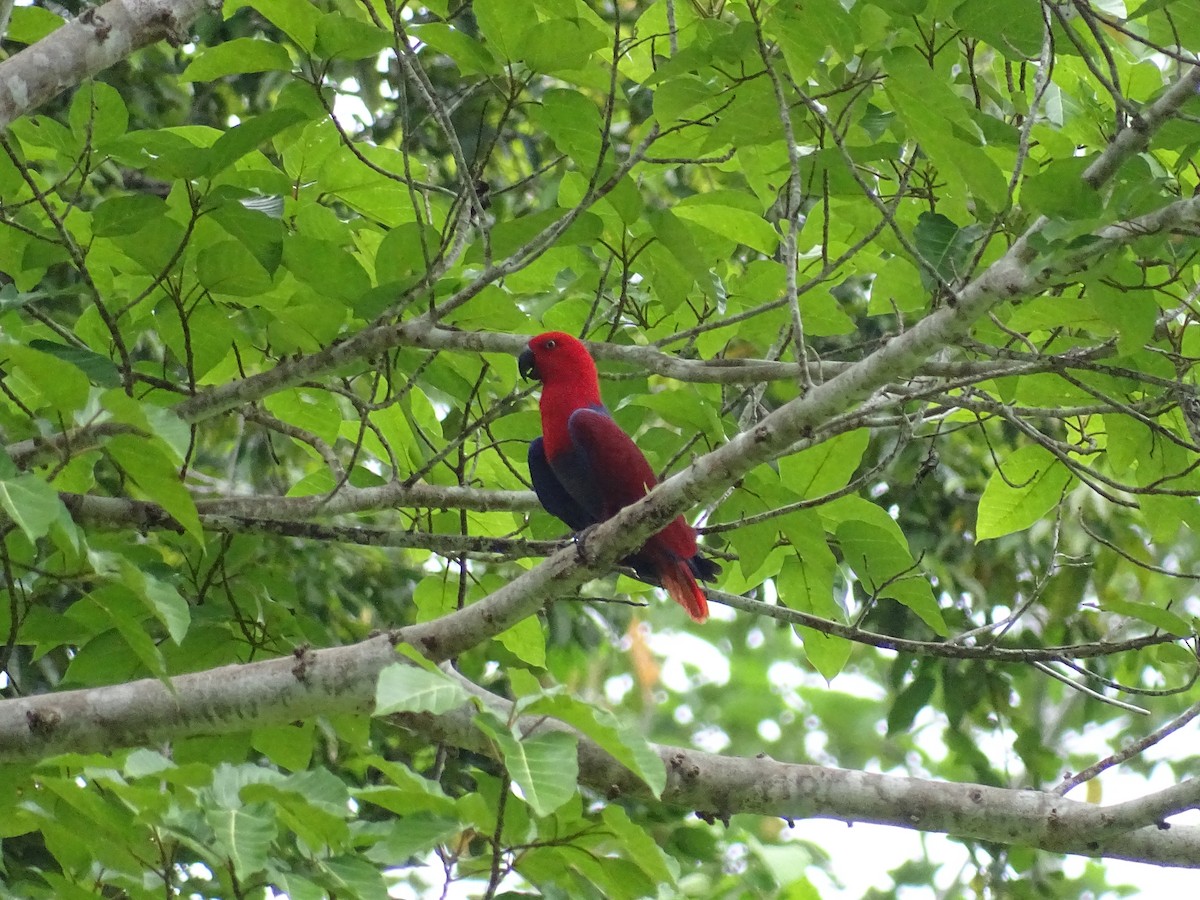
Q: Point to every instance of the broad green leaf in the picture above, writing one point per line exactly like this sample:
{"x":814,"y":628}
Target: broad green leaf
{"x":229,"y":268}
{"x":573,"y":122}
{"x":353,"y":876}
{"x":341,"y":37}
{"x":878,"y":553}
{"x":526,"y":641}
{"x":1057,"y":190}
{"x":243,"y":836}
{"x":640,"y":846}
{"x":316,"y":412}
{"x":328,"y":268}
{"x":411,"y":835}
{"x":98,"y":113}
{"x":403,"y":252}
{"x":295,"y":18}
{"x":143,"y":763}
{"x":29,"y":24}
{"x":403,"y":791}
{"x":126,"y":214}
{"x":161,"y":598}
{"x":825,"y":468}
{"x":938,"y":119}
{"x":148,"y":466}
{"x":236,"y":57}
{"x":504,"y":25}
{"x":30,"y":504}
{"x":944,"y":246}
{"x":1156,"y":616}
{"x":43,"y":378}
{"x":1017,"y":33}
{"x":1026,"y":486}
{"x":545,"y":766}
{"x":249,"y":136}
{"x":471,"y":56}
{"x":560,"y":45}
{"x":404,"y":688}
{"x":126,"y":615}
{"x":738,"y":225}
{"x":620,"y":741}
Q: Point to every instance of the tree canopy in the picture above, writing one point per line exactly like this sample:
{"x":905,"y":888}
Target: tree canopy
{"x":901,"y":297}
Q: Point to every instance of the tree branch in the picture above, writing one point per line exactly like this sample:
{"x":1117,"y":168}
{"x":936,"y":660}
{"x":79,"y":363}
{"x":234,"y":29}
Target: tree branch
{"x":97,"y":39}
{"x":342,"y":680}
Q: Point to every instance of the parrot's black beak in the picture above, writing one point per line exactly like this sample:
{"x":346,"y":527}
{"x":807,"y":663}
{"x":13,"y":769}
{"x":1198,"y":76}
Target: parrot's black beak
{"x":527,"y":366}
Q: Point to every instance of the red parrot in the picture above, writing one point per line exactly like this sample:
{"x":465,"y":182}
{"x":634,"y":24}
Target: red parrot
{"x":585,"y":468}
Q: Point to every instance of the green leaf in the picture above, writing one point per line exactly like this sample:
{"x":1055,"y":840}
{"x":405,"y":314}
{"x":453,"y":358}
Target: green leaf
{"x":561,"y":45}
{"x":825,"y":468}
{"x":161,"y":598}
{"x":1017,"y":31}
{"x":295,"y":18}
{"x":526,"y":641}
{"x":403,"y":791}
{"x":287,"y":746}
{"x":124,"y":613}
{"x":341,"y":37}
{"x":1026,"y":486}
{"x":625,"y":744}
{"x":471,"y":56}
{"x":326,"y":267}
{"x":126,"y":214}
{"x":410,"y":836}
{"x":313,"y":411}
{"x":938,"y":118}
{"x":31,"y":504}
{"x":143,"y":763}
{"x":738,"y":225}
{"x":404,"y":688}
{"x":147,"y":464}
{"x":943,"y":245}
{"x":249,"y":136}
{"x":44,"y":378}
{"x":1147,"y":612}
{"x":403,"y":250}
{"x":545,"y":766}
{"x":98,"y":113}
{"x":504,"y":25}
{"x":572,"y":121}
{"x":640,"y":846}
{"x":229,"y":268}
{"x":353,"y":876}
{"x":805,"y":32}
{"x":235,"y":57}
{"x":243,"y":836}
{"x":1058,"y":191}
{"x":29,"y":24}
{"x":823,"y":315}
{"x":877,"y":551}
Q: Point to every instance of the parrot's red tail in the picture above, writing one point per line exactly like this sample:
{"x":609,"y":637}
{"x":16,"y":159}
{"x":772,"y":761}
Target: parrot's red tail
{"x":676,"y":576}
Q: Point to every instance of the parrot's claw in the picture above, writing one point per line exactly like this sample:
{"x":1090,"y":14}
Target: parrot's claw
{"x":580,"y":538}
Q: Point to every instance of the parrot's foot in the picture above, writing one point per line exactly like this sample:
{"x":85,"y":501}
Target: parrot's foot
{"x":580,"y":538}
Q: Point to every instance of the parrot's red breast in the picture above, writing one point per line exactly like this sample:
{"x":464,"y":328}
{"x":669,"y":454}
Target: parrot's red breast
{"x":585,"y":468}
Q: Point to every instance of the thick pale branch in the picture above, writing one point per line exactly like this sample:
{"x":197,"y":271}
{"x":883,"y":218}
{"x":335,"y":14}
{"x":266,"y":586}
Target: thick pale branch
{"x":97,"y":39}
{"x":718,"y":786}
{"x":341,"y":680}
{"x":120,"y":511}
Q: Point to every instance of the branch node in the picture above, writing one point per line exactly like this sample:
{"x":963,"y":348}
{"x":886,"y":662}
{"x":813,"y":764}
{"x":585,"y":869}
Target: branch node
{"x":43,"y":722}
{"x":304,"y":658}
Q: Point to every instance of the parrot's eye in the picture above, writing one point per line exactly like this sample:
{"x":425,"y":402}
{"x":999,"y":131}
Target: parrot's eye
{"x":550,"y":345}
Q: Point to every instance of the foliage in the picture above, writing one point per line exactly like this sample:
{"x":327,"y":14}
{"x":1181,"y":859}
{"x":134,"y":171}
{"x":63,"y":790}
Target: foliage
{"x":260,"y":296}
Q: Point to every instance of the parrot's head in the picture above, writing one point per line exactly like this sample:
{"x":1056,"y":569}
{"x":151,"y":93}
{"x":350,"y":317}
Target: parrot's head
{"x":556,"y":358}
